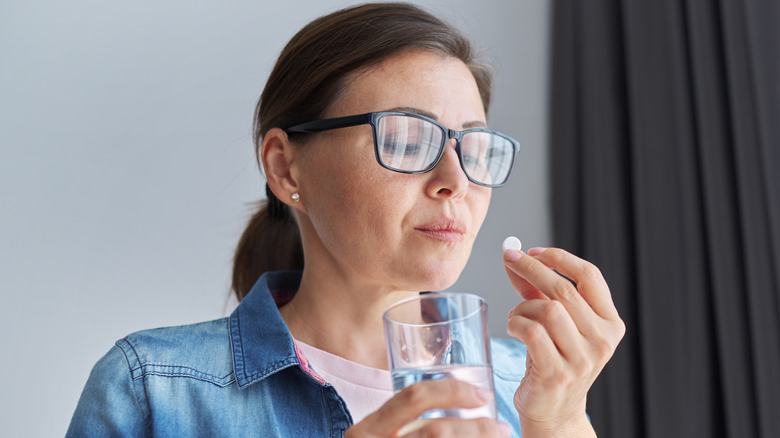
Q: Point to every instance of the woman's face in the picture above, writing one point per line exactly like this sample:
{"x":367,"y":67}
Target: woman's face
{"x":384,"y":228}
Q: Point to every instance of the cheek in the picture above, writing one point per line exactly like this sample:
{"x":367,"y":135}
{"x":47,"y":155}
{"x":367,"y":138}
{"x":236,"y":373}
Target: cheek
{"x":479,"y":204}
{"x":377,"y":200}
{"x":356,"y":201}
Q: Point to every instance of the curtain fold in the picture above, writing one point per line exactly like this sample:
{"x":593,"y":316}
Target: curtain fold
{"x":665,"y":155}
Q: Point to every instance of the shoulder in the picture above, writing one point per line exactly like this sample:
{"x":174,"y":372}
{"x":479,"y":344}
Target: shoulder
{"x":139,"y":384}
{"x":508,"y":358}
{"x":200,"y":351}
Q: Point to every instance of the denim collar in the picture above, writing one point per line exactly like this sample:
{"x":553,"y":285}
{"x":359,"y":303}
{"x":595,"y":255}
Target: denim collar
{"x":260,"y":341}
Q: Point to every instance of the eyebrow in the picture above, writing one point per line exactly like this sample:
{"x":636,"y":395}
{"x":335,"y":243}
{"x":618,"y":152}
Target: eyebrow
{"x":409,"y":109}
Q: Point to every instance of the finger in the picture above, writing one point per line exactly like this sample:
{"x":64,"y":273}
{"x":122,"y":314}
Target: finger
{"x":526,"y":290}
{"x":541,"y":348}
{"x":553,"y":286}
{"x":590,"y":282}
{"x":412,"y":401}
{"x":557,"y":322}
{"x":455,"y":427}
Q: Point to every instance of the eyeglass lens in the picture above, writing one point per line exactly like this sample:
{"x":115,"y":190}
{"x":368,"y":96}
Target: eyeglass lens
{"x":410,"y":144}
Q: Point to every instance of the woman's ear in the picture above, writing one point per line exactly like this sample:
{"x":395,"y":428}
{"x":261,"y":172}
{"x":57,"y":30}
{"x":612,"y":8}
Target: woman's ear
{"x":278,"y":157}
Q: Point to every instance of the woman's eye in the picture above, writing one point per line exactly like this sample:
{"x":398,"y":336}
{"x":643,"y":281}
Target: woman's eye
{"x":412,"y":149}
{"x":497,"y":152}
{"x":471,"y":159}
{"x":392,"y":147}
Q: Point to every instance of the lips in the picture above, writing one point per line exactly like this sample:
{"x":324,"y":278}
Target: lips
{"x":444,"y":229}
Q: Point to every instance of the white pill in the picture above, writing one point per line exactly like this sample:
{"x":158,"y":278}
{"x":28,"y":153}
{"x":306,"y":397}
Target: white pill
{"x":512,"y":242}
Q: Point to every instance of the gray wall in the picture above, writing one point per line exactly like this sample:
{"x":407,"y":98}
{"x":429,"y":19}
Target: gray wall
{"x":127,"y":170}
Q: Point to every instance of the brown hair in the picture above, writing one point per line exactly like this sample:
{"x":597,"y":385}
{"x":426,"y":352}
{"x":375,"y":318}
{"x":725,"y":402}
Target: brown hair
{"x":308,"y":77}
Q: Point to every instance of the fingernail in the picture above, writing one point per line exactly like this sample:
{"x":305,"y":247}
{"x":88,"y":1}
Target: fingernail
{"x":512,"y":255}
{"x":505,"y":429}
{"x":483,"y":394}
{"x":536,"y":251}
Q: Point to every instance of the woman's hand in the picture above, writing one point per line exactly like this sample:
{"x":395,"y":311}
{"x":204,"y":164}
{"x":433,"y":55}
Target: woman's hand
{"x":570,"y":328}
{"x":411,"y":402}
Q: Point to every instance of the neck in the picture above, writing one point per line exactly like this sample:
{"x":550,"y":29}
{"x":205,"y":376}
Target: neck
{"x":341,"y":317}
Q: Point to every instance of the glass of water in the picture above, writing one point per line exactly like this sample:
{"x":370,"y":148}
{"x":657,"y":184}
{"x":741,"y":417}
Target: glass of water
{"x":440,"y":336}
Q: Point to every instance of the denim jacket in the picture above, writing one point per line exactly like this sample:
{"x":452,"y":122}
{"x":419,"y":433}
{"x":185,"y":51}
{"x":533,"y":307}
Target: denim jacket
{"x":237,"y":376}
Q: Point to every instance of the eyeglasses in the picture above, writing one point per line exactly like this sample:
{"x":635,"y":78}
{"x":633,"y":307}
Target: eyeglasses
{"x":412,"y":143}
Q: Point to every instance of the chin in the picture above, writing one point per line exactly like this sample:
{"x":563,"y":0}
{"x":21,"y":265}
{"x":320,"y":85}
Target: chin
{"x":439,"y":277}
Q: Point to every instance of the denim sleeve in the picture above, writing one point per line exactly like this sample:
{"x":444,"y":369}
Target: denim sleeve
{"x":108,"y":406}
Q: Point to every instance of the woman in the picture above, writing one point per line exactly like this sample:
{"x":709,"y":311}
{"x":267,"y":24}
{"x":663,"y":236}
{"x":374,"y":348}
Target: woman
{"x":370,"y":187}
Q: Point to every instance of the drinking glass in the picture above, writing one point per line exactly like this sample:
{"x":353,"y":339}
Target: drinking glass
{"x":440,"y":336}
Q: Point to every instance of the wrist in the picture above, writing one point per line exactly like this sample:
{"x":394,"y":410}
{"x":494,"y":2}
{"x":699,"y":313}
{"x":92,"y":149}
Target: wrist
{"x":575,"y":427}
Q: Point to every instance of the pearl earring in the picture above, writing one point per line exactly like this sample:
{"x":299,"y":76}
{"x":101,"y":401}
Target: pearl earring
{"x":295,"y":197}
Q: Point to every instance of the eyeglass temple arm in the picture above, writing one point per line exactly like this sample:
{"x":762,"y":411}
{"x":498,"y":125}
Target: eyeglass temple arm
{"x":328,"y":124}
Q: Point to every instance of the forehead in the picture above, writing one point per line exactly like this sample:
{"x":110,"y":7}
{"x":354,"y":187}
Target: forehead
{"x":440,"y":85}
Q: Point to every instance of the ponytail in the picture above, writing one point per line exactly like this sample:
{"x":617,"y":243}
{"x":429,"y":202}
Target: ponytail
{"x":270,"y":242}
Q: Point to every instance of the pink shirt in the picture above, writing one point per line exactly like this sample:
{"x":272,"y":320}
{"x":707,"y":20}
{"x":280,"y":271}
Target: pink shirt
{"x":364,"y":389}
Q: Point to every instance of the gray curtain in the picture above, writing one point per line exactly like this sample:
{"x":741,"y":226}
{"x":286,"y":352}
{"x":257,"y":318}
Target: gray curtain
{"x":665,"y":135}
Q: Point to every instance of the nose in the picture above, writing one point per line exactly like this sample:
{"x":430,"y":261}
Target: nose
{"x":448,"y":180}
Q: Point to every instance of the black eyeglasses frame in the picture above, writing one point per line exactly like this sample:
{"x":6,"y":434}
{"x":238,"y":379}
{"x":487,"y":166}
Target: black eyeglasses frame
{"x":373,"y":118}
